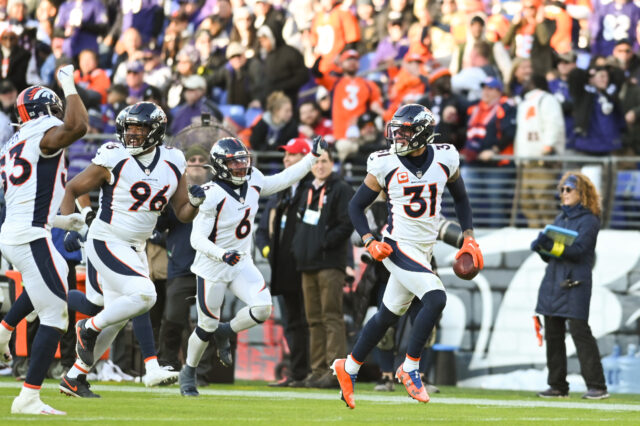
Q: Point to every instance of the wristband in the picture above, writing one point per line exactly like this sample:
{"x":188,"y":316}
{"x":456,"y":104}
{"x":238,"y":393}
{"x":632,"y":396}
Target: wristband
{"x":368,"y":241}
{"x":69,"y":88}
{"x":85,"y":211}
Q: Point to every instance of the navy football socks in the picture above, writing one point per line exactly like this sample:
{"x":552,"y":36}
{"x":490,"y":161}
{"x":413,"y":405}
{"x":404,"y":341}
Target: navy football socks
{"x":433,"y":304}
{"x":372,"y":332}
{"x":144,"y":335}
{"x":43,"y":350}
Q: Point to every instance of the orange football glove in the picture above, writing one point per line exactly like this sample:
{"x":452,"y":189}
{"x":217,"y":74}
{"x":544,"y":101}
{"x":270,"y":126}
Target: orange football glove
{"x":469,"y":245}
{"x":378,"y":250}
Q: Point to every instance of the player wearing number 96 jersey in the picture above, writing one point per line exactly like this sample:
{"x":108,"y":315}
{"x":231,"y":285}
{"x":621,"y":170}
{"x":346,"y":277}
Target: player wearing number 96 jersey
{"x":222,"y":237}
{"x":413,"y":173}
{"x":137,"y":179}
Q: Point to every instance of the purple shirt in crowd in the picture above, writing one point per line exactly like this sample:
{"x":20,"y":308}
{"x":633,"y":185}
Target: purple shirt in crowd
{"x":75,"y":13}
{"x":612,"y":23}
{"x":140,"y":14}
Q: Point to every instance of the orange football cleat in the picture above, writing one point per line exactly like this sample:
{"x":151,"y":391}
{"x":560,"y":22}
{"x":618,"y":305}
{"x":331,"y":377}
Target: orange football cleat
{"x":346,"y":380}
{"x":412,"y":384}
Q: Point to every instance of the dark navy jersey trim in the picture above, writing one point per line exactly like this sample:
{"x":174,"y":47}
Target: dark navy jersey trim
{"x":175,"y":170}
{"x":112,"y":262}
{"x":106,"y":211}
{"x":47,"y":267}
{"x":446,"y":170}
{"x":229,"y":189}
{"x":46,"y":176}
{"x":418,"y":170}
{"x":92,"y":277}
{"x":214,"y":231}
{"x":401,"y":260}
{"x":153,"y":164}
{"x":202,"y":301}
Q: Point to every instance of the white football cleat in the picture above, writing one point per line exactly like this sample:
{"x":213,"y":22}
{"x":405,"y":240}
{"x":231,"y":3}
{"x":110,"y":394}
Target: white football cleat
{"x":24,"y":405}
{"x":162,"y":376}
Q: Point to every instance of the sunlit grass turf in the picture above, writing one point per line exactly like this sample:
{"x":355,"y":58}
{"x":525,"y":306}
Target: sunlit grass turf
{"x":148,"y":407}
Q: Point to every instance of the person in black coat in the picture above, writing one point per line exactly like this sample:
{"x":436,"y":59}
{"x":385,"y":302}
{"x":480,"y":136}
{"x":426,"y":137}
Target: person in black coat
{"x":320,"y":247}
{"x":565,"y":291}
{"x":273,"y":238}
{"x":18,"y":60}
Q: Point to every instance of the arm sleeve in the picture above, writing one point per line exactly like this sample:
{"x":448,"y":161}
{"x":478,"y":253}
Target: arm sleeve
{"x":288,"y":176}
{"x":461,"y":203}
{"x":362,"y":199}
{"x":202,"y":226}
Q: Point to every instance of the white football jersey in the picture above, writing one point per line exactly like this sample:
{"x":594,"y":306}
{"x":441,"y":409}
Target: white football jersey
{"x":226,"y":216}
{"x":132,"y":200}
{"x":33,"y":183}
{"x":414,"y":195}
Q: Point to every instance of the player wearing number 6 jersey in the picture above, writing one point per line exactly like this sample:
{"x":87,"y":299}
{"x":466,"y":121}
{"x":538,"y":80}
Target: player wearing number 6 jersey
{"x":221,"y":236}
{"x":137,"y":178}
{"x":413,"y":173}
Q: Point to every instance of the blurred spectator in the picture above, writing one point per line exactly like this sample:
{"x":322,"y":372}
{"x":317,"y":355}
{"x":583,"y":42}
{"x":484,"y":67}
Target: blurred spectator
{"x":394,"y":10}
{"x":559,"y":86}
{"x":529,"y":36}
{"x":8,"y":96}
{"x":195,"y":103}
{"x":467,"y":81}
{"x":565,"y":292}
{"x":627,"y":60}
{"x":127,"y":49}
{"x":15,"y":59}
{"x":461,"y":58}
{"x":46,"y":15}
{"x":284,"y":68}
{"x":176,"y":35}
{"x":273,"y":239}
{"x":116,"y":101}
{"x":239,"y":78}
{"x":49,"y":64}
{"x":135,"y":81}
{"x":449,"y":109}
{"x":324,"y":101}
{"x":25,"y":27}
{"x":393,"y":47}
{"x":629,"y":95}
{"x":90,"y":76}
{"x":156,"y":72}
{"x":147,"y":16}
{"x":408,"y":85}
{"x":370,"y":139}
{"x":320,"y":246}
{"x":312,"y":123}
{"x":369,"y":30}
{"x":210,"y":45}
{"x":244,"y":31}
{"x":187,"y":64}
{"x":599,"y":120}
{"x":566,"y":34}
{"x":455,"y":18}
{"x":333,"y":30}
{"x":83,"y":22}
{"x":614,"y":21}
{"x":540,"y":132}
{"x":521,"y":71}
{"x":268,"y":15}
{"x":276,"y":126}
{"x":352,"y":95}
{"x":81,"y":152}
{"x":491,"y":128}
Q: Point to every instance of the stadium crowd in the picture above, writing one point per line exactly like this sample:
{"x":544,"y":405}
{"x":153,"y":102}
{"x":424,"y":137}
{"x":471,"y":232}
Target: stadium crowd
{"x":528,"y":78}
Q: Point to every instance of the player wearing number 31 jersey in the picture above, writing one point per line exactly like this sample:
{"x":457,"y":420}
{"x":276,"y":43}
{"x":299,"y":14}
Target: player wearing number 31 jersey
{"x":413,"y":173}
{"x":221,"y":236}
{"x":137,"y":179}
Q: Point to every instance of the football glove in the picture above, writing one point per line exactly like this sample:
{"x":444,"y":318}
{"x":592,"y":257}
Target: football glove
{"x":66,"y":80}
{"x":196,"y":195}
{"x":543,"y":242}
{"x":72,"y":241}
{"x":88,"y":215}
{"x":470,"y":245}
{"x":377,"y":249}
{"x":231,"y":257}
{"x":319,"y":146}
{"x":70,"y":222}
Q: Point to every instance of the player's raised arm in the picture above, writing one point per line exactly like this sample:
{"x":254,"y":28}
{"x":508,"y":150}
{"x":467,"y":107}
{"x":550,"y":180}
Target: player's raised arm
{"x":76,"y":118}
{"x":290,"y":175}
{"x":364,"y":196}
{"x":456,"y":187}
{"x":90,"y":178}
{"x":186,"y":201}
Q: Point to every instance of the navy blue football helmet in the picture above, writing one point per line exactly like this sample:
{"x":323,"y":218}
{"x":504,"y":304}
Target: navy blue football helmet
{"x":231,"y":160}
{"x":411,"y":128}
{"x":38,"y":101}
{"x":120,"y":123}
{"x":150,"y":116}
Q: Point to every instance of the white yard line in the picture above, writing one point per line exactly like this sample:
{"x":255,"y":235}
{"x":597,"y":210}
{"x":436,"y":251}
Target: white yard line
{"x":385,"y":399}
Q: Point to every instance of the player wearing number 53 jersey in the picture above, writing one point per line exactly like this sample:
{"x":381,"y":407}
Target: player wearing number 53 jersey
{"x":33,"y":171}
{"x":137,"y":178}
{"x":221,"y":236}
{"x":413,"y":173}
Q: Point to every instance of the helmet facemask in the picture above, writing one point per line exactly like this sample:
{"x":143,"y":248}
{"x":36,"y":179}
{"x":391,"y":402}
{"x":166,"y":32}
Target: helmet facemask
{"x":233,"y":168}
{"x":135,"y":138}
{"x":404,"y":139}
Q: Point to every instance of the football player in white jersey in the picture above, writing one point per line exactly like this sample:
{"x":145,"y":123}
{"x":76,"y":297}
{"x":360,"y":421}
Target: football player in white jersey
{"x":413,"y":173}
{"x":222,"y":236}
{"x":91,"y":302}
{"x":33,"y":170}
{"x":137,"y":178}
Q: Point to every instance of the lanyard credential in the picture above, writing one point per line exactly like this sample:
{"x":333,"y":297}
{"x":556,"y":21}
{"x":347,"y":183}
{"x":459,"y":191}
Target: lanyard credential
{"x":312,"y":217}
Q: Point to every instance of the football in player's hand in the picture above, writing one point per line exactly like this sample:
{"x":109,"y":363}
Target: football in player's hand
{"x":463,"y":267}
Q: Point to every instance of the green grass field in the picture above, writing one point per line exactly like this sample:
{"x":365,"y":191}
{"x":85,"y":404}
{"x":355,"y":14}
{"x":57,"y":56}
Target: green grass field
{"x":253,"y":402}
